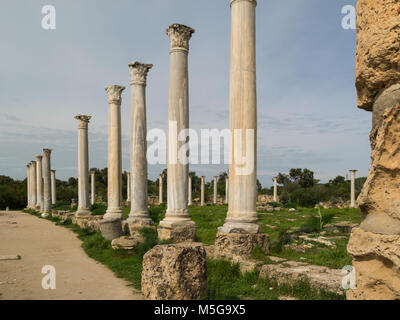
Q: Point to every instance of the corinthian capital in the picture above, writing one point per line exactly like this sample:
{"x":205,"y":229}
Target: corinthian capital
{"x":180,"y":36}
{"x":83,"y":121}
{"x":114,"y":94}
{"x":47,"y":152}
{"x":139,"y":72}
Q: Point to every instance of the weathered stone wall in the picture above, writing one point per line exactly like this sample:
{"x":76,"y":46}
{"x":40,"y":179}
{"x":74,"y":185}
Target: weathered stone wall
{"x":374,"y":246}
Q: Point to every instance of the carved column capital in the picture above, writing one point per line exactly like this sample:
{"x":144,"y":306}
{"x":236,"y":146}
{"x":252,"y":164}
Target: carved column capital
{"x":47,"y":152}
{"x":180,"y":36}
{"x":114,"y":94}
{"x":39,"y":158}
{"x":83,"y":121}
{"x":139,"y":72}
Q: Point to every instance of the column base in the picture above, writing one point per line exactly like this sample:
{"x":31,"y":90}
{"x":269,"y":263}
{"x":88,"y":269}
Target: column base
{"x":240,"y":244}
{"x":114,"y":213}
{"x":136,"y":223}
{"x":240,"y":226}
{"x":45,"y":215}
{"x":183,"y":230}
{"x":83,"y":213}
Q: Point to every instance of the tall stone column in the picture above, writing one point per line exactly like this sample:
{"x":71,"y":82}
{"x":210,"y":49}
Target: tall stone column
{"x":202,"y":182}
{"x":114,"y":173}
{"x":33,"y":184}
{"x":190,"y":190}
{"x":242,"y":213}
{"x":39,"y":183}
{"x":92,"y":187}
{"x":353,"y":189}
{"x":46,"y":182}
{"x":139,"y":216}
{"x":275,"y":189}
{"x":28,"y":187}
{"x":177,"y":223}
{"x":240,"y":233}
{"x":83,"y":166}
{"x":53,"y":188}
{"x":128,"y":187}
{"x":226,"y":190}
{"x":160,"y":189}
{"x":215,"y":190}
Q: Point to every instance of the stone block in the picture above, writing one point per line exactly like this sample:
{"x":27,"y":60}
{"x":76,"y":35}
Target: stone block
{"x":111,"y":228}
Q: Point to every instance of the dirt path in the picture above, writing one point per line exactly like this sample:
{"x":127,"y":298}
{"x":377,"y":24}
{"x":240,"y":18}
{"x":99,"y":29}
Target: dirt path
{"x":39,"y":242}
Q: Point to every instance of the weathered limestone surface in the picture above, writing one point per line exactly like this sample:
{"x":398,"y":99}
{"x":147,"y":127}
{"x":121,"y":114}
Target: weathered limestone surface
{"x":378,"y":48}
{"x":127,"y":242}
{"x":374,"y":245}
{"x":175,"y":272}
{"x":111,"y":228}
{"x":240,"y":244}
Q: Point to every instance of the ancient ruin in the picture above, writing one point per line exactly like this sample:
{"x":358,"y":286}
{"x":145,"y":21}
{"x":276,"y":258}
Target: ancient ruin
{"x":374,"y":246}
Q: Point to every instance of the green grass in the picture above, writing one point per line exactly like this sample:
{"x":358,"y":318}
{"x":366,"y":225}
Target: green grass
{"x":225,"y":281}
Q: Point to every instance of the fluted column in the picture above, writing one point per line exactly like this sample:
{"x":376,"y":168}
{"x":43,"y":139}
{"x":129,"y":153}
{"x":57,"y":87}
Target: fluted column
{"x":177,"y":216}
{"x":83,"y":166}
{"x":114,"y":172}
{"x":46,"y":182}
{"x":128,"y":187}
{"x":243,"y":120}
{"x":202,"y":190}
{"x":275,"y":189}
{"x":190,"y":191}
{"x":33,"y":184}
{"x":92,"y":187}
{"x":226,"y":190}
{"x":353,"y":189}
{"x":160,"y":189}
{"x":53,"y":188}
{"x":28,"y":187}
{"x":139,"y":216}
{"x":215,"y":190}
{"x":39,"y":183}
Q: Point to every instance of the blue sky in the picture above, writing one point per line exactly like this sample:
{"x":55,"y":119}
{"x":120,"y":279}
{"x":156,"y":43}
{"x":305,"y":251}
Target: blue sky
{"x":307,"y":109}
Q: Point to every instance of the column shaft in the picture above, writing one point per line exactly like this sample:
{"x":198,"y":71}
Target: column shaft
{"x":139,"y":216}
{"x":128,"y":187}
{"x":39,"y":183}
{"x":226,"y":190}
{"x":353,"y":189}
{"x":215,"y":190}
{"x":46,"y":182}
{"x":28,"y":188}
{"x":275,"y":189}
{"x":243,"y":120}
{"x":53,"y":188}
{"x":83,"y":165}
{"x":160,"y":189}
{"x":190,"y":191}
{"x":202,"y":191}
{"x":33,"y":184}
{"x":92,"y":187}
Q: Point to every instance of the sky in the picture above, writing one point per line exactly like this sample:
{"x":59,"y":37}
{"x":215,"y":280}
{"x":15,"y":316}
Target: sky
{"x":307,"y":103}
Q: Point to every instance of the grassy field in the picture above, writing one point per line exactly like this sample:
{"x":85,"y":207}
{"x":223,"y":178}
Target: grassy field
{"x":225,"y":279}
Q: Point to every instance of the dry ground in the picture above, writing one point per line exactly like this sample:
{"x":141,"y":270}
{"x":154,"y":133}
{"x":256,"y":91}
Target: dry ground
{"x":39,"y":242}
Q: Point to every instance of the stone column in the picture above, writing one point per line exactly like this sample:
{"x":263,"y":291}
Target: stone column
{"x":202,"y":190}
{"x":226,"y":190}
{"x":83,"y":166}
{"x":46,"y":182}
{"x":177,"y":223}
{"x":215,"y":190}
{"x":275,"y":189}
{"x":190,"y":191}
{"x":353,"y":189}
{"x":92,"y":187}
{"x":243,"y":120}
{"x":33,"y":184}
{"x":53,"y":188}
{"x":114,"y":173}
{"x":28,"y":187}
{"x":160,"y":189}
{"x":39,"y":184}
{"x":139,"y":216}
{"x":128,"y":187}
